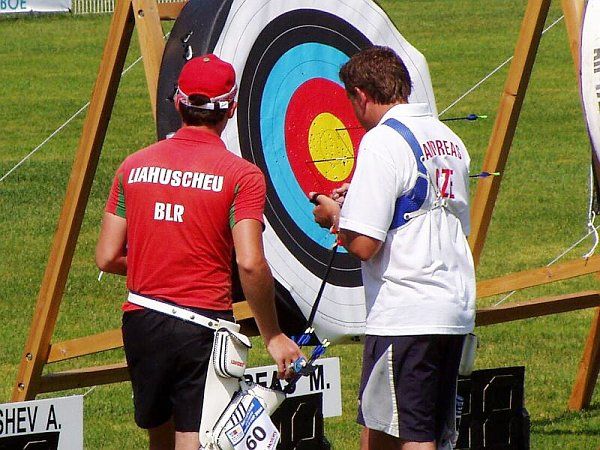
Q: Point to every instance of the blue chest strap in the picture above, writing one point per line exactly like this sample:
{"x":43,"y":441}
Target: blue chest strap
{"x":413,"y":200}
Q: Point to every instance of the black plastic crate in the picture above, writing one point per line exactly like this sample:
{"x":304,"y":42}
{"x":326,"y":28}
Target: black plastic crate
{"x":493,"y":416}
{"x":300,"y":422}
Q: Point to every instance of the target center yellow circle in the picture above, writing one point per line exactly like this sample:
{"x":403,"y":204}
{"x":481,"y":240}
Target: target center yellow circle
{"x":330,"y":147}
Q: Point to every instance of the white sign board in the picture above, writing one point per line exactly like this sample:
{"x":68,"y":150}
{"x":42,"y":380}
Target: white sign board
{"x":54,"y":424}
{"x":25,"y":6}
{"x":326,"y":379}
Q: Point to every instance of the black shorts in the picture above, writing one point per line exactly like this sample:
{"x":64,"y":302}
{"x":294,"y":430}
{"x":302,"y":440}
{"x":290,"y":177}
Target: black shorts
{"x":408,"y":386}
{"x":167,"y":360}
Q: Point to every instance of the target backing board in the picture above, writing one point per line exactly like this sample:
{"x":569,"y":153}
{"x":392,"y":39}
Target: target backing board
{"x":590,"y":73}
{"x":294,"y":121}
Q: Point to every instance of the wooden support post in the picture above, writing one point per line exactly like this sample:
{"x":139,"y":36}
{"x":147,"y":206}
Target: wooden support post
{"x":587,"y":375}
{"x":573,"y":10}
{"x":506,"y":122}
{"x":78,"y":190}
{"x":152,"y":44}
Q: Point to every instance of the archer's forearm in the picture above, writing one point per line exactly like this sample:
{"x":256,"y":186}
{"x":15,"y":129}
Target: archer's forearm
{"x":363,"y":247}
{"x":118,"y":266}
{"x":111,"y":249}
{"x":257,"y":284}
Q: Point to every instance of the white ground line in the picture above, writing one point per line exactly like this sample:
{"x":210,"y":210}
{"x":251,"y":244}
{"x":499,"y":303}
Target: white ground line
{"x":59,"y":129}
{"x":480,"y":82}
{"x":592,"y":231}
{"x":90,"y":390}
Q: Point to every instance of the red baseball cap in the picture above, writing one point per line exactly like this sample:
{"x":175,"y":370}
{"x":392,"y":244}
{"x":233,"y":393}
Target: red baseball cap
{"x":210,"y":76}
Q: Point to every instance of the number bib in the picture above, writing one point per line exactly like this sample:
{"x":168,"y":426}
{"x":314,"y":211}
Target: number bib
{"x":255,"y":431}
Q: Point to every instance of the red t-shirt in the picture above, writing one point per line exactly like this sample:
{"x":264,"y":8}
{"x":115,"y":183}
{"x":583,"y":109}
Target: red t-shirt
{"x":181,"y":197}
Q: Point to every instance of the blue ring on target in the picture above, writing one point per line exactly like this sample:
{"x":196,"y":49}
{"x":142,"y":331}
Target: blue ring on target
{"x":286,"y":76}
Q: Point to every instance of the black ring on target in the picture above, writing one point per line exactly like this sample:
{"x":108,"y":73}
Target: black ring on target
{"x":195,"y":32}
{"x":281,"y":35}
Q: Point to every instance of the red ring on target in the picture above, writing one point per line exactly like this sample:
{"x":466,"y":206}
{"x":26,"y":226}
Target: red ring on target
{"x":322,"y":135}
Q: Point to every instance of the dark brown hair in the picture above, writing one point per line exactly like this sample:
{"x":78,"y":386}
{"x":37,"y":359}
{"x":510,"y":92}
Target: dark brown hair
{"x":379,"y":72}
{"x":198,"y":117}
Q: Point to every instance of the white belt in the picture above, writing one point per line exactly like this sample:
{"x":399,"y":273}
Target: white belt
{"x":173,"y":310}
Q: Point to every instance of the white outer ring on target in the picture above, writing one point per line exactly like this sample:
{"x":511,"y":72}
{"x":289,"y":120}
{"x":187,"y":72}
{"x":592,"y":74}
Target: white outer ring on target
{"x":590,"y":80}
{"x":341,"y":313}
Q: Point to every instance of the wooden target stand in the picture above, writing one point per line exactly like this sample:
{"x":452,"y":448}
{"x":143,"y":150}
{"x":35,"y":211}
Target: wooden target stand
{"x":146,"y":15}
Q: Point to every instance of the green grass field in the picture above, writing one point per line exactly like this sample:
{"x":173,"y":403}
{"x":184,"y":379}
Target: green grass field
{"x":47,"y":69}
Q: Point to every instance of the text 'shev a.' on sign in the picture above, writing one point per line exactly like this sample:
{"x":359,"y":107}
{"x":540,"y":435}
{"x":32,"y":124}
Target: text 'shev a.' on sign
{"x":50,"y":424}
{"x":326,"y":379}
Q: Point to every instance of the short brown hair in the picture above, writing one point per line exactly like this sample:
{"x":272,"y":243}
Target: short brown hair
{"x":379,"y":72}
{"x":198,"y":117}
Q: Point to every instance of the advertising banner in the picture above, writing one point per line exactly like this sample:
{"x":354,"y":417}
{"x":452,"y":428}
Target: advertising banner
{"x":27,"y":6}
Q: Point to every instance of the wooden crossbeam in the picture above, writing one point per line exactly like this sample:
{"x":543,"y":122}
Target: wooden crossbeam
{"x":112,"y":339}
{"x":536,"y":308}
{"x":170,"y":11}
{"x":537,"y":277}
{"x":94,"y":343}
{"x":242,"y":311}
{"x":94,"y":376}
{"x":90,"y":376}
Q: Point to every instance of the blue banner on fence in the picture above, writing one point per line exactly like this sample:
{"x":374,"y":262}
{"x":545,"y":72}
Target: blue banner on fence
{"x":25,"y":6}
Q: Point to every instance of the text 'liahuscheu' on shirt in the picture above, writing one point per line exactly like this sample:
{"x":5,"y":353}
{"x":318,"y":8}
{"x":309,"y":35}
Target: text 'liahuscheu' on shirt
{"x":181,"y":197}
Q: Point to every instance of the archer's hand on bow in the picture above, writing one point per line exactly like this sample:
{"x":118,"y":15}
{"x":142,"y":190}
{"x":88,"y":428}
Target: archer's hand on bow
{"x":284,"y":352}
{"x":339,"y":194}
{"x":326,"y":211}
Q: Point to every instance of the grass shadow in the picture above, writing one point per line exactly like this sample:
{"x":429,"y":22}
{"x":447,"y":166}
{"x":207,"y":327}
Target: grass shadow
{"x":565,"y":423}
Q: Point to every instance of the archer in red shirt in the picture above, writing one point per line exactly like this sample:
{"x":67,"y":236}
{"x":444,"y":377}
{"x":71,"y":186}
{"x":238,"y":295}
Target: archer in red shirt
{"x":176,"y":211}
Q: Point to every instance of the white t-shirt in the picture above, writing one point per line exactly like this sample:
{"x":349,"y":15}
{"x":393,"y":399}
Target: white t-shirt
{"x":422,"y":281}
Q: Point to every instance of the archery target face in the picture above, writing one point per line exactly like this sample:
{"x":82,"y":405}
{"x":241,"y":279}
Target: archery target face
{"x":295,"y":122}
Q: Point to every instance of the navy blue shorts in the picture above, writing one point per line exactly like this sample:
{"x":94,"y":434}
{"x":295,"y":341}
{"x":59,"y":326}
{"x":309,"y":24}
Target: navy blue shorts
{"x":168,"y":360}
{"x":408,"y":386}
